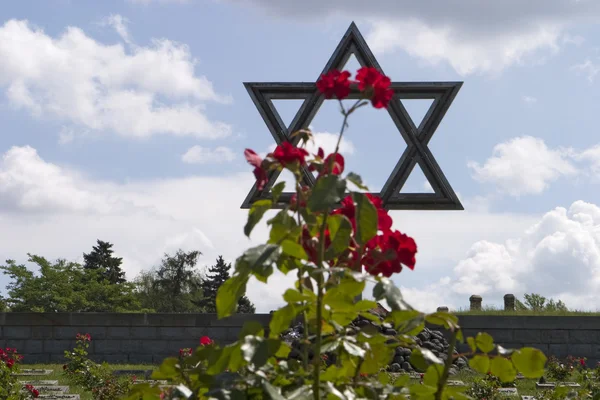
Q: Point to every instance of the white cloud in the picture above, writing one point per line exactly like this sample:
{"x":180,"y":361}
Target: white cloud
{"x":529,"y":99}
{"x":558,"y":257}
{"x":523,"y":165}
{"x":202,"y":155}
{"x":101,"y":87}
{"x":588,"y":68}
{"x":55,"y":211}
{"x":119,"y":24}
{"x":592,"y":157}
{"x":436,"y":44}
{"x":472,"y":37}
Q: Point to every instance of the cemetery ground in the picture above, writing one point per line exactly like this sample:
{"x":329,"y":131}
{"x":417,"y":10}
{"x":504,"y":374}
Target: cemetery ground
{"x":56,"y":377}
{"x":524,"y":386}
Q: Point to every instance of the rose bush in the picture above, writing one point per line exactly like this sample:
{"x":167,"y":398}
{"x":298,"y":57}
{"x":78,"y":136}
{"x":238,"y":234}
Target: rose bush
{"x":10,"y":387}
{"x":93,"y":377}
{"x":335,"y":239}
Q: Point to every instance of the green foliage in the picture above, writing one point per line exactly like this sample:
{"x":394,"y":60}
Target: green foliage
{"x":174,"y":286}
{"x":93,"y":377}
{"x":538,"y":303}
{"x":101,"y":259}
{"x":64,"y":287}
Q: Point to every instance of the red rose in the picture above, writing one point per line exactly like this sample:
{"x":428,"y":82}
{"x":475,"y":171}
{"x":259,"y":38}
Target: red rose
{"x":286,"y":154}
{"x":366,"y":77}
{"x":338,"y":164}
{"x":382,"y":94}
{"x":334,"y":83}
{"x":259,"y":173}
{"x":376,"y":85}
{"x":386,"y":253}
{"x":205,"y":340}
{"x":384,"y":221}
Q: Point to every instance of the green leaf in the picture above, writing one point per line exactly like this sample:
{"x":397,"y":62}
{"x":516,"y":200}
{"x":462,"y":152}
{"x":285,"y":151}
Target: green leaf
{"x":258,"y":209}
{"x":284,"y":350}
{"x":417,"y":360}
{"x":293,"y":249}
{"x":366,"y":218}
{"x":353,"y":349}
{"x":340,"y":230}
{"x":283,"y":225}
{"x":281,"y":320}
{"x":503,"y":369}
{"x":229,"y":293}
{"x":433,"y":374}
{"x":400,"y":317}
{"x":422,"y":391}
{"x":471,"y":343}
{"x":294,"y":296}
{"x":444,"y":319}
{"x":327,"y":192}
{"x":529,"y":361}
{"x":480,"y":363}
{"x":385,"y":289}
{"x":272,"y":391}
{"x":167,"y":370}
{"x":277,"y":190}
{"x":255,"y":350}
{"x":484,"y":342}
{"x":379,"y":354}
{"x":253,"y":328}
{"x":356,"y":180}
{"x":259,"y":260}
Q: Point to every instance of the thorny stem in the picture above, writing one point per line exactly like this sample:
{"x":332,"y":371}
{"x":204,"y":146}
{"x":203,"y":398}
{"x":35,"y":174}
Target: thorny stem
{"x":301,"y":289}
{"x":320,"y":280}
{"x":447,"y":365}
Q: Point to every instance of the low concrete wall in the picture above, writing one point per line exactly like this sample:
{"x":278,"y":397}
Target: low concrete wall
{"x":116,"y":338}
{"x":149,"y":338}
{"x":578,"y":336}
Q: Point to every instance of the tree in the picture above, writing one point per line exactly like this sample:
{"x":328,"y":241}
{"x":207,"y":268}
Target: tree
{"x":537,"y":302}
{"x":175,"y":286}
{"x":217,"y":275}
{"x":64,"y":286}
{"x":101,"y":258}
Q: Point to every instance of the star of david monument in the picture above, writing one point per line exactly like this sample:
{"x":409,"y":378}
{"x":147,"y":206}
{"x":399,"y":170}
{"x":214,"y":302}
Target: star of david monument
{"x":416,"y":137}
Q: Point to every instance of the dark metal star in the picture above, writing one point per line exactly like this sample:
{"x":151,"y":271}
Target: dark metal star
{"x":417,"y":138}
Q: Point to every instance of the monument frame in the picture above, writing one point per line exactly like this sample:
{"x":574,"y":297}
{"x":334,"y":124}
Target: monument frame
{"x":416,"y":138}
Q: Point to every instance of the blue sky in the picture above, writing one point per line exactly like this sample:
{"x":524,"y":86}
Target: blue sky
{"x":126,"y":121}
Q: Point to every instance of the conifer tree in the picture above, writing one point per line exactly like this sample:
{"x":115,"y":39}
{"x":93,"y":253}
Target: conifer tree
{"x":216,"y":276}
{"x":101,"y":259}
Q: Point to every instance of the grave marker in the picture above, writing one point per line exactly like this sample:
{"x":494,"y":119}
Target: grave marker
{"x":52,"y":389}
{"x":59,"y":396}
{"x":34,"y":372}
{"x":40,"y":382}
{"x":508,"y":391}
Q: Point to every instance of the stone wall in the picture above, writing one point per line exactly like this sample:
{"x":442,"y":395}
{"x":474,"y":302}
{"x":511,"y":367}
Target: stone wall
{"x":116,"y":338}
{"x":560,"y":336}
{"x":149,"y":338}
